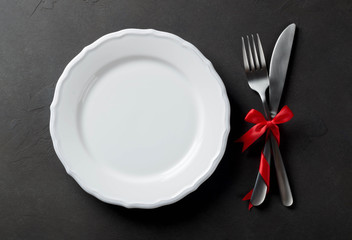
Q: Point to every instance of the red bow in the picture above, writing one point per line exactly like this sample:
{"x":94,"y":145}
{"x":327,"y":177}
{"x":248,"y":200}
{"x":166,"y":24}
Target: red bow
{"x":262,"y":125}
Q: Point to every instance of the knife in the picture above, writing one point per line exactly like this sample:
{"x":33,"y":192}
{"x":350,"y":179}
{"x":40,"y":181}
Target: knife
{"x":277,"y":75}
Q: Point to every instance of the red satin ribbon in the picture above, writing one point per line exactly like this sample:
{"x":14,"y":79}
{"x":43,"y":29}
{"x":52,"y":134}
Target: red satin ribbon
{"x":262,"y":125}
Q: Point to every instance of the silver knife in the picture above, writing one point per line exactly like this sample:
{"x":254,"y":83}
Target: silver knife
{"x":277,"y":75}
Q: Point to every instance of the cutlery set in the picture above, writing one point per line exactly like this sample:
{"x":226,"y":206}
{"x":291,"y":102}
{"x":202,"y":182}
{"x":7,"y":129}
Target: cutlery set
{"x":260,"y":81}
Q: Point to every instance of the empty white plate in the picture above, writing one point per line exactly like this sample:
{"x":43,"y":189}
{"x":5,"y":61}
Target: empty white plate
{"x":140,"y":118}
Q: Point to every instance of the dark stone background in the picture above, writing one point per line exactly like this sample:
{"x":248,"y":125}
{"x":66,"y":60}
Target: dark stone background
{"x":38,"y":200}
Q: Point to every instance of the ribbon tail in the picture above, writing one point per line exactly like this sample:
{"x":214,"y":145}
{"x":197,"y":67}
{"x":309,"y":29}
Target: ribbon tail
{"x":248,"y":197}
{"x":252,"y":135}
{"x":245,"y":141}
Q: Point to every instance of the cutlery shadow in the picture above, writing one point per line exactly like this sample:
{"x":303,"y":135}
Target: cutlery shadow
{"x":219,"y":185}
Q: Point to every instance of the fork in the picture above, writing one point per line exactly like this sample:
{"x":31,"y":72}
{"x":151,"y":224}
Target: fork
{"x":258,"y":81}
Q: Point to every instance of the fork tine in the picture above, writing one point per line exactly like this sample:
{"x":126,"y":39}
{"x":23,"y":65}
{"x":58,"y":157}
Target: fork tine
{"x":261,"y":53}
{"x":250,"y":54}
{"x":255,"y":54}
{"x":245,"y":59}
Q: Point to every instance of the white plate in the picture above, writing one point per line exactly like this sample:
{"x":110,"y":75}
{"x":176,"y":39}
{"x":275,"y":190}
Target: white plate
{"x":140,"y":118}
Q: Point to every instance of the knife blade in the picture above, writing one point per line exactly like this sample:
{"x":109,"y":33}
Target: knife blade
{"x":278,"y":66}
{"x":277,"y":75}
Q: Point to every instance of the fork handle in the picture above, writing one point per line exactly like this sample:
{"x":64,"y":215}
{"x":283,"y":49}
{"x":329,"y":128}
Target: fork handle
{"x":260,"y":187}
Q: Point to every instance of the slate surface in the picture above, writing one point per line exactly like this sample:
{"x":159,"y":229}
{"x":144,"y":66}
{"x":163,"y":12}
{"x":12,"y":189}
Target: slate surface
{"x":38,"y":200}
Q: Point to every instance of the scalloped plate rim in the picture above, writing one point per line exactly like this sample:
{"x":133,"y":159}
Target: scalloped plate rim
{"x":184,"y":191}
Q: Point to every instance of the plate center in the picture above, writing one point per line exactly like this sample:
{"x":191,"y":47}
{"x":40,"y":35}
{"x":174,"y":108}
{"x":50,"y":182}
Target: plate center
{"x":139,"y":116}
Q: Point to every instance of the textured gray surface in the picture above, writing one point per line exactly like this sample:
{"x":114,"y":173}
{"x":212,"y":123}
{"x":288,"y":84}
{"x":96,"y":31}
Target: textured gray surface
{"x":38,"y":200}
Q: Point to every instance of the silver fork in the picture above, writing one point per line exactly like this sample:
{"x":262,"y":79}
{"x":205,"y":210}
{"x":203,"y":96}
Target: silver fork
{"x":258,"y":81}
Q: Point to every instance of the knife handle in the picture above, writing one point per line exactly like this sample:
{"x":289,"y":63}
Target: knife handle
{"x":284,"y":185}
